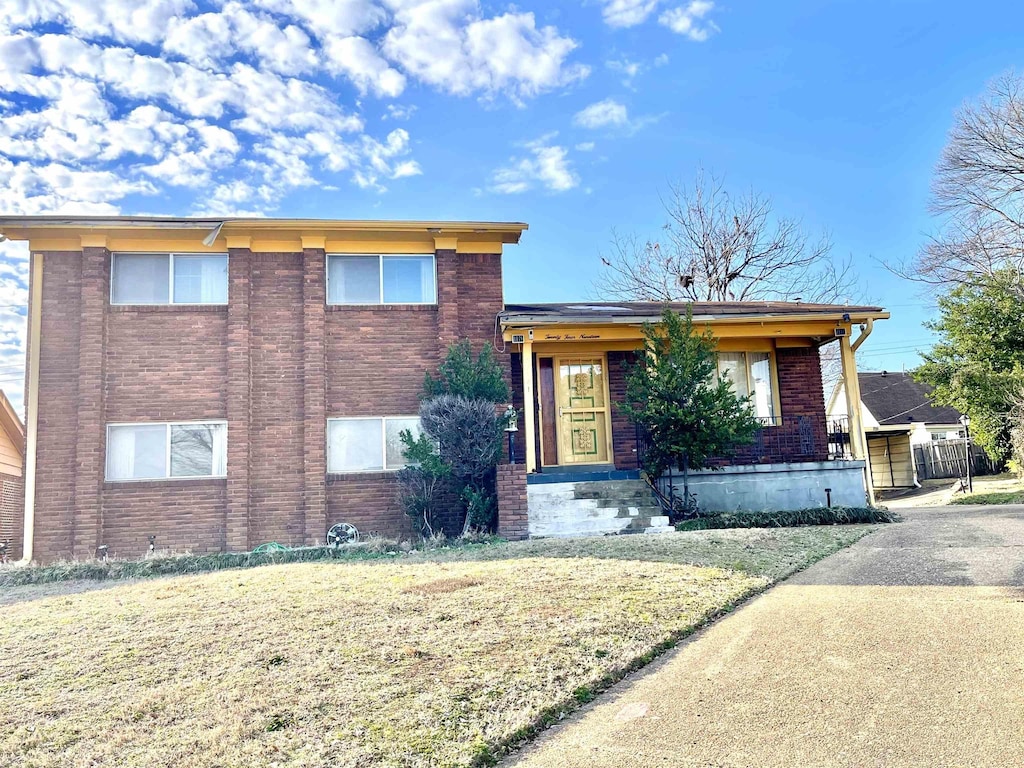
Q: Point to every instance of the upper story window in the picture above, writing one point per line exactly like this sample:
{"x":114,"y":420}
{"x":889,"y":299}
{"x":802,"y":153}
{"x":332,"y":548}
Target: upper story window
{"x":405,"y":279}
{"x":751,"y":376}
{"x":169,"y":278}
{"x":157,"y":451}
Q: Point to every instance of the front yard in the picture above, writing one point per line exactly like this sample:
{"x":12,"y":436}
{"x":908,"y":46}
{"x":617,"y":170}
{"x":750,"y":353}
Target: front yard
{"x":437,"y":658}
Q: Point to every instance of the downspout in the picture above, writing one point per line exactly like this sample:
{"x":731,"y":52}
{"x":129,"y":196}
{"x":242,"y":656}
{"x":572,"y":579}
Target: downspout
{"x":869,"y":326}
{"x":32,"y":402}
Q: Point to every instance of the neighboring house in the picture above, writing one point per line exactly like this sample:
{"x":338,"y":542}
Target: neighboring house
{"x":218,"y":384}
{"x":12,"y":485}
{"x":898,"y":414}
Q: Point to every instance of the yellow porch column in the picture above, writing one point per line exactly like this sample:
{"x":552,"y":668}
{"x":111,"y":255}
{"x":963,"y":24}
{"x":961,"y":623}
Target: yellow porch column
{"x":858,"y":441}
{"x":529,"y":407}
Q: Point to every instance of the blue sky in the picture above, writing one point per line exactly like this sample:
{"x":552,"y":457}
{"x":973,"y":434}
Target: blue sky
{"x":570,"y":116}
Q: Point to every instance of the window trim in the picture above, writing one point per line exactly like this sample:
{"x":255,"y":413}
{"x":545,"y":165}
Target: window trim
{"x":383,"y":443}
{"x":380,"y":280}
{"x":170,"y":279}
{"x":167,"y":450}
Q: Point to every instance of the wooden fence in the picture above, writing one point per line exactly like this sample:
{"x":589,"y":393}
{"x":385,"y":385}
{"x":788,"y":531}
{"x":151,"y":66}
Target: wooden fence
{"x":948,"y":458}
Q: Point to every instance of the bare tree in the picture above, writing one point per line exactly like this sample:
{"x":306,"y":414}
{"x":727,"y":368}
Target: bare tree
{"x":978,"y":194}
{"x":717,"y":247}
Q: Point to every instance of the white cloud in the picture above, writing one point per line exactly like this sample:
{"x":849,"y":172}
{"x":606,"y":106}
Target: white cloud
{"x":627,"y":13}
{"x":547,"y":165}
{"x":448,"y":44}
{"x":602,"y":114}
{"x":399,"y":112}
{"x":359,"y":60}
{"x":628,"y":69}
{"x":687,"y":20}
{"x":585,"y":146}
{"x":335,"y":17}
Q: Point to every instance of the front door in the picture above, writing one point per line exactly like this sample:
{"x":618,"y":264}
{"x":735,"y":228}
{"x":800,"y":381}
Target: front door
{"x":582,"y":394}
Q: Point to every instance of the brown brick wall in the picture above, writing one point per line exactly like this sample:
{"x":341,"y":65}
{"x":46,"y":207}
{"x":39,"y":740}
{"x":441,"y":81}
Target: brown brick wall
{"x":623,"y":431}
{"x":276,"y":363}
{"x":277,"y":429}
{"x":12,"y":514}
{"x":183,"y":515}
{"x":513,"y":517}
{"x":58,"y":411}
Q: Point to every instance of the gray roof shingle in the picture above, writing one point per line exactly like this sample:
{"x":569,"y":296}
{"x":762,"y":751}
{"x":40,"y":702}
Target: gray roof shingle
{"x":896,"y":398}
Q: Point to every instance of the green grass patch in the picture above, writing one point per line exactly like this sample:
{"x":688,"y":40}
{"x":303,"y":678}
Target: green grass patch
{"x":447,"y":656}
{"x":791,"y":518}
{"x":993,"y":497}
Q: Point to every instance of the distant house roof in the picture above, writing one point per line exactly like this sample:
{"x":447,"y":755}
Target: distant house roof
{"x":650,"y":311}
{"x":896,"y":398}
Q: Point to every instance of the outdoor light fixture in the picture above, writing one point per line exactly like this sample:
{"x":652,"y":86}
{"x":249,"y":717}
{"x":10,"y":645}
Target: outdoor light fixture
{"x":214,"y":234}
{"x":511,"y":427}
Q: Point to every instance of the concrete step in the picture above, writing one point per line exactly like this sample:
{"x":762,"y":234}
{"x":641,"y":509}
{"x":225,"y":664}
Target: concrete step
{"x":660,"y":529}
{"x":636,"y":513}
{"x":577,"y":527}
{"x":617,"y":489}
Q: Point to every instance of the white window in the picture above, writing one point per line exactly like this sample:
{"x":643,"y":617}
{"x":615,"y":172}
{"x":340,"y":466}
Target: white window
{"x":169,"y":278}
{"x":166,"y":450}
{"x":368,"y":444}
{"x":389,"y":279}
{"x":751,"y":376}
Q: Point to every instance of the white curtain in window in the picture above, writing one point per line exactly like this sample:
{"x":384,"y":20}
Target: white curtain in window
{"x":353,"y":280}
{"x":409,"y":280}
{"x":140,"y":279}
{"x":220,"y":449}
{"x":201,"y":279}
{"x":136,"y":451}
{"x":761,"y":373}
{"x":355,"y":445}
{"x":733,"y":366}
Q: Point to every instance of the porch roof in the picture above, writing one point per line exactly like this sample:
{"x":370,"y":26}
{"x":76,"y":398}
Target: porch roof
{"x":637,"y":312}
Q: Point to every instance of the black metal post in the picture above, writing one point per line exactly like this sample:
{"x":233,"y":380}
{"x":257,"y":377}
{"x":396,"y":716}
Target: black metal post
{"x":511,"y":447}
{"x":967,"y":448}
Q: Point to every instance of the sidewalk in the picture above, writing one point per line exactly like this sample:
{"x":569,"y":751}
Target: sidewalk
{"x":906,"y":649}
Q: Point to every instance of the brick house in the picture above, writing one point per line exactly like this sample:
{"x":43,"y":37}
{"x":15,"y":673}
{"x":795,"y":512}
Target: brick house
{"x":221,"y":384}
{"x":12,"y":484}
{"x":218,"y":384}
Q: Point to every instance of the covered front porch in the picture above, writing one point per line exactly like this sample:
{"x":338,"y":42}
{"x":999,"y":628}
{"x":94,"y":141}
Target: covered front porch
{"x":569,"y":367}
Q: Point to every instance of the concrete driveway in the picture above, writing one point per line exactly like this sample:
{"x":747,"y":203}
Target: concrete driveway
{"x":907,"y":649}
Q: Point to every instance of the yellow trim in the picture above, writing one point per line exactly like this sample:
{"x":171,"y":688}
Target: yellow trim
{"x":801,"y":327}
{"x":192,"y":241}
{"x":267,"y":235}
{"x":93,"y":241}
{"x":35,"y":323}
{"x":529,"y":406}
{"x":446,"y":243}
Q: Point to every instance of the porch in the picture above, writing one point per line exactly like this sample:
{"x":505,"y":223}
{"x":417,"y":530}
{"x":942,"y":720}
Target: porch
{"x":569,"y":366}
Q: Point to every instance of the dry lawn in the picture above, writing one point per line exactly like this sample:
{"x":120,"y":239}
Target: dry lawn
{"x":335,"y":664}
